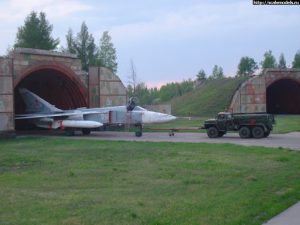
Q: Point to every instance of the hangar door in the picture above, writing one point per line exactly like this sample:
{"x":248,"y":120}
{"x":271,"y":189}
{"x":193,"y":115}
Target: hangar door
{"x":55,"y":86}
{"x":283,"y":97}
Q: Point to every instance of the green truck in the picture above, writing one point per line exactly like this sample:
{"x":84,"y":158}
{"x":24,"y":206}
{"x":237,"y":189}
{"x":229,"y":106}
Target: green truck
{"x":256,"y":125}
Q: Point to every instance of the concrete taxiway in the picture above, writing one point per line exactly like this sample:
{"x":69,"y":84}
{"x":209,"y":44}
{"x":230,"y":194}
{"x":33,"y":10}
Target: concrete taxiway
{"x":290,"y":140}
{"x":288,"y":217}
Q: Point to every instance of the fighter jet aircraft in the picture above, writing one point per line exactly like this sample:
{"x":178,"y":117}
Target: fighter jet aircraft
{"x":44,"y":115}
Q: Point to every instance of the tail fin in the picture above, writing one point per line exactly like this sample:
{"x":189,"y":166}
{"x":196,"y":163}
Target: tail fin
{"x":35,"y":104}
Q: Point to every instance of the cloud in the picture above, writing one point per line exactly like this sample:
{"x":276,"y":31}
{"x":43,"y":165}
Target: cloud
{"x":59,"y":13}
{"x":181,"y":40}
{"x":207,"y":20}
{"x":159,"y":84}
{"x":14,"y":10}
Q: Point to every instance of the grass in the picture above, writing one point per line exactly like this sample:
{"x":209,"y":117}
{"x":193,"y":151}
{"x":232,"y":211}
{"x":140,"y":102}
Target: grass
{"x":210,"y":98}
{"x":73,"y":182}
{"x":287,"y":123}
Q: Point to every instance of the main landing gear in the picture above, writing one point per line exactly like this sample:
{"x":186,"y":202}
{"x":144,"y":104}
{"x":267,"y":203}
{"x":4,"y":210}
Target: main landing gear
{"x":71,"y":131}
{"x":139,"y":130}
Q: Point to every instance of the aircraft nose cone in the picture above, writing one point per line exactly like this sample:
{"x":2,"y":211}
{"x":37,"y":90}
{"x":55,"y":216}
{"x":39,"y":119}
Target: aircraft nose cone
{"x":168,"y":118}
{"x":155,"y":117}
{"x":172,"y":117}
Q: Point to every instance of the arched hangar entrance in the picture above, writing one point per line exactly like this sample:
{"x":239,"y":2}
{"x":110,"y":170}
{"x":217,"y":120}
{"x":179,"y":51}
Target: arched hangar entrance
{"x":275,"y":91}
{"x":56,"y":84}
{"x":56,"y":77}
{"x":283,"y":97}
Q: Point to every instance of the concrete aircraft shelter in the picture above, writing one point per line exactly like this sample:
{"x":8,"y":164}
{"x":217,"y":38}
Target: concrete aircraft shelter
{"x":56,"y":77}
{"x":274,"y":91}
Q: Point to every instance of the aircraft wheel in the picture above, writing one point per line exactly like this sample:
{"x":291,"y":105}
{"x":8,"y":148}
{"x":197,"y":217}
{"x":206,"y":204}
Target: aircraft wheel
{"x":138,"y":133}
{"x":70,"y":132}
{"x":86,"y":131}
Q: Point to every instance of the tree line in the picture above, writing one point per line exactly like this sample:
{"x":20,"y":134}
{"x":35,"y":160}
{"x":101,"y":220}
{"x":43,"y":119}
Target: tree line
{"x":247,"y":66}
{"x":36,"y":33}
{"x":148,"y":96}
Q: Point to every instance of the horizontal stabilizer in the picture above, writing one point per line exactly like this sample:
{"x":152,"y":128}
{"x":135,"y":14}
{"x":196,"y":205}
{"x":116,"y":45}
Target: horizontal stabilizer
{"x":37,"y":115}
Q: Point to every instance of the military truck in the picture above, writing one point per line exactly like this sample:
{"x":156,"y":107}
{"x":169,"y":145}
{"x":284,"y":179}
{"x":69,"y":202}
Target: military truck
{"x":256,"y":125}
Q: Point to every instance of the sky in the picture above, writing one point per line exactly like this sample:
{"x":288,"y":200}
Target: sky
{"x":168,"y":40}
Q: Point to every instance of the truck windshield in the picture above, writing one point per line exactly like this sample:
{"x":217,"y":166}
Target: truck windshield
{"x":221,"y":117}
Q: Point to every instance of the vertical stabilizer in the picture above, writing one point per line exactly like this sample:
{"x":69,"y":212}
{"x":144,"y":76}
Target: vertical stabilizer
{"x":35,"y":104}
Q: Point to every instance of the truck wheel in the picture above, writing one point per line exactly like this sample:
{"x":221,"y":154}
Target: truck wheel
{"x":258,"y":132}
{"x":212,"y":132}
{"x":221,"y":134}
{"x":267,"y":133}
{"x":245,"y":132}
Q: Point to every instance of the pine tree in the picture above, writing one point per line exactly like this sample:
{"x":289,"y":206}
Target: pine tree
{"x":282,"y":63}
{"x":296,"y":62}
{"x":246,"y":67}
{"x":71,"y":48}
{"x":201,"y":75}
{"x":36,"y":33}
{"x":107,"y":53}
{"x":217,"y":72}
{"x":83,"y":46}
{"x":269,"y":60}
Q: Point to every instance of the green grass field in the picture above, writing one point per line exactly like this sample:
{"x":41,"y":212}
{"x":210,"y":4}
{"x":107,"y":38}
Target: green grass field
{"x":212,"y":97}
{"x":287,"y":123}
{"x":75,"y":182}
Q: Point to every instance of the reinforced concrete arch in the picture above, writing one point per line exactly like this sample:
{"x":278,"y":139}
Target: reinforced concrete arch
{"x":54,"y":82}
{"x":274,"y":91}
{"x":56,"y":77}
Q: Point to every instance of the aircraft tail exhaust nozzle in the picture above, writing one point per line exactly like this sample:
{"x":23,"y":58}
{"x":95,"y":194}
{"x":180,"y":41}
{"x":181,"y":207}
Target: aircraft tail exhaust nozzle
{"x":76,"y":124}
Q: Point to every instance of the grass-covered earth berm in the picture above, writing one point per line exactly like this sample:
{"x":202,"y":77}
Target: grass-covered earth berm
{"x":210,"y":98}
{"x":63,"y":181}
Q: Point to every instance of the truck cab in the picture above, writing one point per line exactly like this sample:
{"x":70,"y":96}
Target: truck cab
{"x":224,"y":121}
{"x":221,"y":121}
